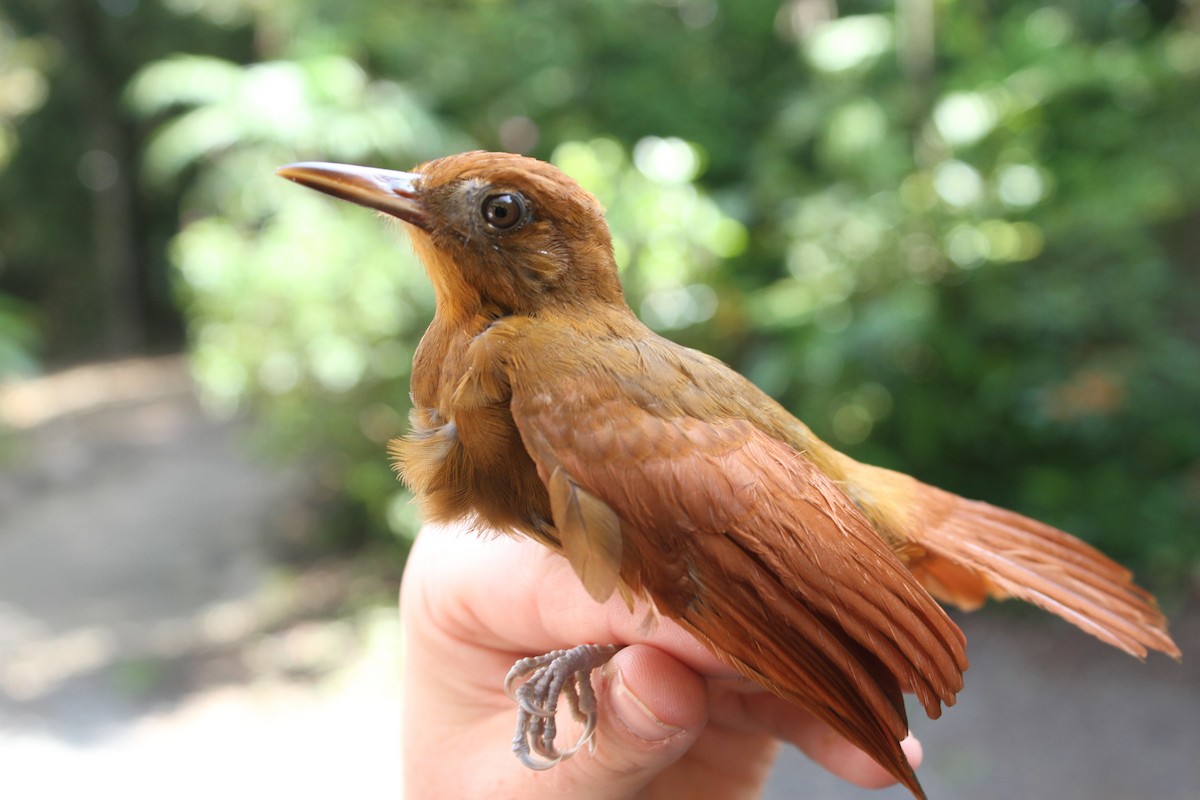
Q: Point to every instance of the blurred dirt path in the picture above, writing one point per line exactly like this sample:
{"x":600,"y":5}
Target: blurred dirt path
{"x":149,"y":643}
{"x":1049,"y":714}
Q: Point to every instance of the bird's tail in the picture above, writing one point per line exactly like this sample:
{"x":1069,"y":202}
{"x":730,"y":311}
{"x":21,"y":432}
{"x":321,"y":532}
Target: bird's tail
{"x":964,"y":551}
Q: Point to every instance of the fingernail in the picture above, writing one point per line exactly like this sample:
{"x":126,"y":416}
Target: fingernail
{"x":636,"y":715}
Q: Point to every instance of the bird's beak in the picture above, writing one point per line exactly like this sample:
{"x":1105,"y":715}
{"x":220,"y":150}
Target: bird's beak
{"x":395,"y":193}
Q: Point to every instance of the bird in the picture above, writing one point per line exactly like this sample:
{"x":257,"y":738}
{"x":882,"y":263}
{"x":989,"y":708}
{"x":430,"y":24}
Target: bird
{"x":542,"y":407}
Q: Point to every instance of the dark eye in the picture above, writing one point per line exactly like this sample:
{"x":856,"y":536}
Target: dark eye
{"x":503,"y":211}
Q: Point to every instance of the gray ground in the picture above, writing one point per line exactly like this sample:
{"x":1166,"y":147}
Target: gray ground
{"x":150,"y":641}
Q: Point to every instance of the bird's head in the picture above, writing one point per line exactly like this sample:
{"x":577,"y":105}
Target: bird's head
{"x":498,"y":233}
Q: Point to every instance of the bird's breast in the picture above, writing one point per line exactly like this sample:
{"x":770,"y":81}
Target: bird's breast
{"x":473,"y":464}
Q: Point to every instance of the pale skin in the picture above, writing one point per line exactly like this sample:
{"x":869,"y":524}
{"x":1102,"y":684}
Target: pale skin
{"x":674,"y":721}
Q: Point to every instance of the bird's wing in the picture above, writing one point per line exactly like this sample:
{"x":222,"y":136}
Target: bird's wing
{"x":740,"y":538}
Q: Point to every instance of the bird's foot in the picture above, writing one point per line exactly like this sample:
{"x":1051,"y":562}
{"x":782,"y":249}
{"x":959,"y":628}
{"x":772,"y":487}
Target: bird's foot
{"x":548,"y":678}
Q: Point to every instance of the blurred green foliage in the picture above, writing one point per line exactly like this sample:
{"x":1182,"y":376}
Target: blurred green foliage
{"x":23,"y":86}
{"x":958,"y":239}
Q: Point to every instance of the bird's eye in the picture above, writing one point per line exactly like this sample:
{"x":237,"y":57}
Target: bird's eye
{"x":503,"y":211}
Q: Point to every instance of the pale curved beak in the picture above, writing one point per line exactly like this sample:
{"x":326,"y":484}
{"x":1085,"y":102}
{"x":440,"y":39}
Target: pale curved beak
{"x":395,"y":193}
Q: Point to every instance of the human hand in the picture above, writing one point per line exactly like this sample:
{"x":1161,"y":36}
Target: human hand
{"x":674,"y":721}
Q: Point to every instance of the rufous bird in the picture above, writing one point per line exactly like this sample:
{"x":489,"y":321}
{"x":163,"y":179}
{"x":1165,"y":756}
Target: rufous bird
{"x":544,"y":408}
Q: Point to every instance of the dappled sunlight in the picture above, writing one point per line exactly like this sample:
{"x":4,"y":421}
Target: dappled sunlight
{"x":668,"y":234}
{"x":850,"y":42}
{"x":145,"y":627}
{"x":955,"y":239}
{"x":273,"y":734}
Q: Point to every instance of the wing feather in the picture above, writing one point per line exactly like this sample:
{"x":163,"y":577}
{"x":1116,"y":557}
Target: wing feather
{"x":746,"y":543}
{"x":590,"y":532}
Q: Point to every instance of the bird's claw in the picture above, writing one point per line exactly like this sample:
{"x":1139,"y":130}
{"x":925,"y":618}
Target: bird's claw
{"x":547,"y":678}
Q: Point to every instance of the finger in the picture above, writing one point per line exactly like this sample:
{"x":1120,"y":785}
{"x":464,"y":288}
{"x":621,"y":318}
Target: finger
{"x":534,"y":598}
{"x":652,"y":708}
{"x":760,"y":711}
{"x":515,"y":596}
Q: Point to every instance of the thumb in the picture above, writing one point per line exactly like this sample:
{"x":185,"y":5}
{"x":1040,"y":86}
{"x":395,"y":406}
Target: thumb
{"x":651,"y":708}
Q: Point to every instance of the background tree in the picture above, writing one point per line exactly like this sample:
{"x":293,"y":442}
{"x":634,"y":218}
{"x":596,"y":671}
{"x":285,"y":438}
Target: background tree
{"x":953,"y":237}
